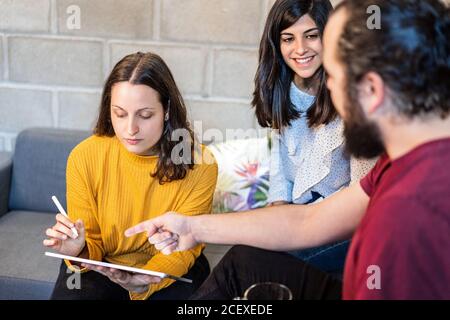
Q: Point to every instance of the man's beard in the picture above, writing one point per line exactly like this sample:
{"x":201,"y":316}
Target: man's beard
{"x":362,"y":137}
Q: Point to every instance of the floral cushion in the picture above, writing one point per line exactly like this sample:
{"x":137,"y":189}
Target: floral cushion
{"x":243,"y":181}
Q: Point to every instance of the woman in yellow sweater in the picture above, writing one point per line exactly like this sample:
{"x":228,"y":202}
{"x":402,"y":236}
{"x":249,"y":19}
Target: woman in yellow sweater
{"x":135,"y":167}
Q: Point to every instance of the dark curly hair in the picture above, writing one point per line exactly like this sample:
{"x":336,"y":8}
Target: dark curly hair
{"x":271,"y":98}
{"x":410,"y":51}
{"x":150,"y":70}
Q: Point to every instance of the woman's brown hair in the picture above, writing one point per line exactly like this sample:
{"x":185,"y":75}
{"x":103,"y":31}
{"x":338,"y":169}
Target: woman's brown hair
{"x":273,"y":78}
{"x":150,"y":70}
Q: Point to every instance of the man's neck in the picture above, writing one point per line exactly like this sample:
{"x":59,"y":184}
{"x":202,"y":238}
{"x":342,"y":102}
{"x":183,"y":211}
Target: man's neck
{"x":401,"y":137}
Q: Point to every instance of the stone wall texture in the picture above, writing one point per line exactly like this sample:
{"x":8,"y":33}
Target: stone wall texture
{"x":56,"y":54}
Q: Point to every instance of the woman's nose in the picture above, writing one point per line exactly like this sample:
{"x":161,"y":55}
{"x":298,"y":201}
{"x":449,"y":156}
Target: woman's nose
{"x":300,"y":47}
{"x":133,"y":128}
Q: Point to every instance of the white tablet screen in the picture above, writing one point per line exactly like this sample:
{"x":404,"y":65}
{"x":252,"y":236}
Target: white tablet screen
{"x":117,"y":266}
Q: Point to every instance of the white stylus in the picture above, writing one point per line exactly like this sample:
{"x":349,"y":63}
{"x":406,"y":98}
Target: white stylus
{"x":61,"y":209}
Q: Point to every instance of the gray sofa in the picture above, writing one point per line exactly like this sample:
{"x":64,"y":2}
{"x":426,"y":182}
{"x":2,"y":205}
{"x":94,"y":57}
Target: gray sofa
{"x":28,"y":179}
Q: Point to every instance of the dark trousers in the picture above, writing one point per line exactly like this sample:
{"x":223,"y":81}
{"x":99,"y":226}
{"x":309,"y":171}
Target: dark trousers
{"x":329,"y":258}
{"x":244,"y":266}
{"x":95,"y":286}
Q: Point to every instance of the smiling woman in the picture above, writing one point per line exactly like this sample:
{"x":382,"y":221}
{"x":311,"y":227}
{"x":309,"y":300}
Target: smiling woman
{"x":308,"y":160}
{"x":127,"y":172}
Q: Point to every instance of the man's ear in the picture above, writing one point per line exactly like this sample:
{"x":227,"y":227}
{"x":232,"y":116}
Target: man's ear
{"x":371,"y":92}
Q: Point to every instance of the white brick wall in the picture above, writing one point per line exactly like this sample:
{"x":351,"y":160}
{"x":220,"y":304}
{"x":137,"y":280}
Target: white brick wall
{"x":234,"y":71}
{"x":77,"y":110}
{"x":212,"y":21}
{"x":221,"y":115}
{"x":22,"y":108}
{"x":41,"y":60}
{"x":25,"y":15}
{"x":52,"y":72}
{"x":187,"y":63}
{"x":7,"y":141}
{"x":109,"y":18}
{"x":2,"y":61}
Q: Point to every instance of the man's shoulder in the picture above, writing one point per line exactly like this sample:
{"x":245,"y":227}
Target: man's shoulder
{"x":424,"y":175}
{"x":405,"y":215}
{"x":425,"y":185}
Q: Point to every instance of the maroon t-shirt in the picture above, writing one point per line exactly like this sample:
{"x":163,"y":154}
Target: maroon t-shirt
{"x":401,"y":249}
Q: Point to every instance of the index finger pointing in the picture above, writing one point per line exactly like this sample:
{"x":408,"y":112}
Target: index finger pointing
{"x":141,"y":227}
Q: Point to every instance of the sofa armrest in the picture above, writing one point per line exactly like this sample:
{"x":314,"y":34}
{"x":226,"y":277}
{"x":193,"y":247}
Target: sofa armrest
{"x":5,"y":180}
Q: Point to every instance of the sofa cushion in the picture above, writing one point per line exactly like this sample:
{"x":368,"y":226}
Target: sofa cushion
{"x":39,"y":168}
{"x":243,"y":180}
{"x":22,"y":251}
{"x":24,"y":289}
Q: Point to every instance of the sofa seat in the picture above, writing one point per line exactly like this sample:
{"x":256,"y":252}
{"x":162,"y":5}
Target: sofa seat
{"x":37,"y":170}
{"x":26,"y":273}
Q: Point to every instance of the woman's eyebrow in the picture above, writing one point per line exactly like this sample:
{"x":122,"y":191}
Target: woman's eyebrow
{"x":116,"y":106}
{"x":312,"y":29}
{"x":306,"y":31}
{"x":145,"y":108}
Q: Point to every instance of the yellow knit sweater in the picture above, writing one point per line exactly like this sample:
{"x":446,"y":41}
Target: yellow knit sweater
{"x":111,"y":189}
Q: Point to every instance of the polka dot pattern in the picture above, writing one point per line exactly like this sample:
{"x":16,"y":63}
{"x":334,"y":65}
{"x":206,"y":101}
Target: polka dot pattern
{"x":306,"y":160}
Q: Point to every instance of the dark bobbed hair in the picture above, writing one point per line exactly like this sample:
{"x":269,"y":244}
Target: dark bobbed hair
{"x":150,"y":70}
{"x":411,"y":52}
{"x":271,"y":98}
